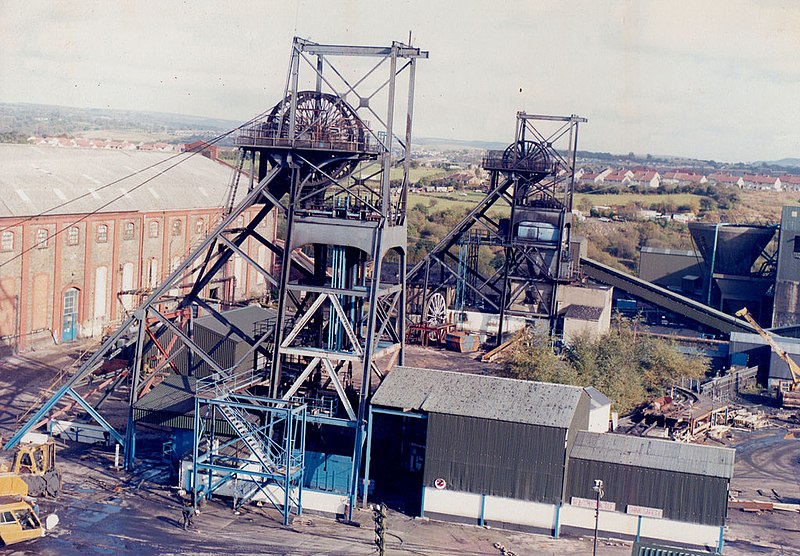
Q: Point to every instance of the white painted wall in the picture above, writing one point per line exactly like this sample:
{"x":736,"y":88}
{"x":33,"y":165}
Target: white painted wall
{"x":484,"y":323}
{"x":449,"y":502}
{"x":599,"y":417}
{"x":610,"y":522}
{"x":521,"y":512}
{"x":622,"y":523}
{"x":693,"y":533}
{"x":533,"y":514}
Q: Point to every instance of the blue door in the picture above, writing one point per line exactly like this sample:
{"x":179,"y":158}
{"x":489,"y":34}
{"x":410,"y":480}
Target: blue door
{"x":69,"y":327}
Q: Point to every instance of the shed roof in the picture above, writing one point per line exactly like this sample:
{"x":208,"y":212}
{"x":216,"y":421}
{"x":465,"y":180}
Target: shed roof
{"x":174,"y":394}
{"x":653,"y":453}
{"x":598,"y":399}
{"x":243,"y":318}
{"x":35,"y":179}
{"x":583,"y":312}
{"x":488,"y":397}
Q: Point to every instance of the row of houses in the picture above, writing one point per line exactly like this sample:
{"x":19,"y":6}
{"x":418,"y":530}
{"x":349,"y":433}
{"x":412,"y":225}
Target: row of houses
{"x":106,"y":144}
{"x":652,"y":178}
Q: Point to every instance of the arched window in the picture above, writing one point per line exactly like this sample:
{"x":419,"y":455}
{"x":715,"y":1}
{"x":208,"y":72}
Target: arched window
{"x":129,"y":231}
{"x":73,"y":235}
{"x":8,"y":241}
{"x":177,"y":227}
{"x":102,"y":233}
{"x":153,"y":230}
{"x":199,"y":226}
{"x":42,"y":237}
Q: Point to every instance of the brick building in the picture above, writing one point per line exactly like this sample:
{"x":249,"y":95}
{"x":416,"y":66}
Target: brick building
{"x":69,"y":245}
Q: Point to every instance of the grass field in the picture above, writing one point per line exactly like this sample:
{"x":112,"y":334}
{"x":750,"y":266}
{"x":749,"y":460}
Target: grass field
{"x":444,"y":201}
{"x":416,"y":174}
{"x":642,"y":200}
{"x":460,"y":201}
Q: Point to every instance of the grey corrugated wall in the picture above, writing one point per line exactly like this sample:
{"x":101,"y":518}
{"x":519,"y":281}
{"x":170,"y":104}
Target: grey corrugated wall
{"x":497,"y":458}
{"x":683,"y":497}
{"x":222,"y":351}
{"x":580,"y":422}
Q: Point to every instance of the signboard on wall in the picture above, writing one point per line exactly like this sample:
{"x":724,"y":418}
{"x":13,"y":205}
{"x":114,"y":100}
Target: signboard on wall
{"x":592,"y":504}
{"x":645,"y":511}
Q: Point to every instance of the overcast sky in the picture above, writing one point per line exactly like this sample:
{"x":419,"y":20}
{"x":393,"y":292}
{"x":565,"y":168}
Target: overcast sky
{"x":710,"y":79}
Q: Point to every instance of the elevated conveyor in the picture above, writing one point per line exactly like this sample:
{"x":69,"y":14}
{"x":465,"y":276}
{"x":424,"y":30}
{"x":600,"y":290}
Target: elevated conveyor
{"x":663,"y":298}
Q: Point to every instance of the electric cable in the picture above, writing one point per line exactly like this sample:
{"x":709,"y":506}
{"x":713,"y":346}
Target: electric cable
{"x":192,"y":152}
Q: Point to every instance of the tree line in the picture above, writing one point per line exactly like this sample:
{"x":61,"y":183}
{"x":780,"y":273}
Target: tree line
{"x":626,"y":365}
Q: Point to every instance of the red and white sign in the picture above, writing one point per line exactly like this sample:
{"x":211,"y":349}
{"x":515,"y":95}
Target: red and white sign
{"x":645,"y":511}
{"x":592,"y":504}
{"x":440,"y":484}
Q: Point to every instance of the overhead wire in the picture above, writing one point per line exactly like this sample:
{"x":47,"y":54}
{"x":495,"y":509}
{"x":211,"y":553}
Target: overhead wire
{"x":194,"y":151}
{"x":182,"y":159}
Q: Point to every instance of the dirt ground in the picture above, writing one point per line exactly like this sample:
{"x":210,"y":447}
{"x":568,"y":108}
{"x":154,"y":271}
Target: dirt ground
{"x":104,"y":511}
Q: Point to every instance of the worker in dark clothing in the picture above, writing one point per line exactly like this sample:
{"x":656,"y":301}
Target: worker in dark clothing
{"x":188,"y":515}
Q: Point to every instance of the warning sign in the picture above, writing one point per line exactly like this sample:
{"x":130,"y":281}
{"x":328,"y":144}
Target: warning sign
{"x":440,"y":484}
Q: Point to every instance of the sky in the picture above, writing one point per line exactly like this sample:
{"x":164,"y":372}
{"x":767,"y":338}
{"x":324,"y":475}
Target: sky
{"x":712,"y":79}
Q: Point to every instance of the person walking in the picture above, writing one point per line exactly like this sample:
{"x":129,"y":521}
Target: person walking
{"x":188,"y":515}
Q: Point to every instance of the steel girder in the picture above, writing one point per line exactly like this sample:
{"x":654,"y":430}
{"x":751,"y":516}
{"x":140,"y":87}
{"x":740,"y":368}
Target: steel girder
{"x":162,"y":324}
{"x":532,"y":179}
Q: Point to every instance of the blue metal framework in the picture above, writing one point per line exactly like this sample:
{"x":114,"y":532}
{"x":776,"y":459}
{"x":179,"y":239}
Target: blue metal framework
{"x":266,"y":456}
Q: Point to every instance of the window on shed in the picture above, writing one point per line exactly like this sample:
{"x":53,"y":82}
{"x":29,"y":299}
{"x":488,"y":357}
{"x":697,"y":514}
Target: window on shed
{"x":42,"y":237}
{"x":73,"y":235}
{"x":177,"y":227}
{"x":129,"y":230}
{"x":102,"y":233}
{"x":8,"y":241}
{"x":153,"y":229}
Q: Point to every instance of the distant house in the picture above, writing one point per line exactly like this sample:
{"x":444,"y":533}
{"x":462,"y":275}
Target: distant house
{"x":622,"y":178}
{"x":683,"y":178}
{"x":790,"y":183}
{"x":721,"y":178}
{"x":647,"y":178}
{"x":646,"y":214}
{"x":684,"y":217}
{"x":596,"y":178}
{"x":762,"y":182}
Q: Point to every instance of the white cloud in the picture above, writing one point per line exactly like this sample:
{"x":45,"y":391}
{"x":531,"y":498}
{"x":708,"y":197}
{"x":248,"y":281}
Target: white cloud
{"x":712,"y":79}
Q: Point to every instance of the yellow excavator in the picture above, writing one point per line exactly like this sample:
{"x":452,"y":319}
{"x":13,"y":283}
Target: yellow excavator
{"x":788,"y":391}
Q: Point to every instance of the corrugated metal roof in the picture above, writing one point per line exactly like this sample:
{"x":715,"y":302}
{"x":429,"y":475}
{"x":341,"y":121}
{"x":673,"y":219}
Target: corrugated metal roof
{"x":653,"y":453}
{"x":35,"y":179}
{"x":243,"y":318}
{"x":175,"y":394}
{"x":583,"y":312}
{"x":598,"y":398}
{"x":670,"y":251}
{"x":489,"y":397}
